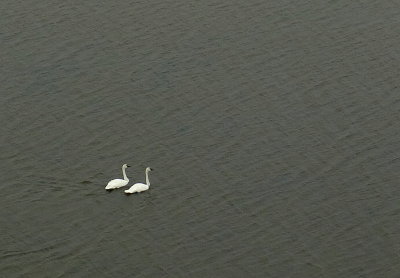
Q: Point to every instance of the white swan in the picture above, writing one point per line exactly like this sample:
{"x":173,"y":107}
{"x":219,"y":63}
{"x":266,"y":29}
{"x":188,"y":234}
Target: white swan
{"x":139,"y":187}
{"x":117,"y":183}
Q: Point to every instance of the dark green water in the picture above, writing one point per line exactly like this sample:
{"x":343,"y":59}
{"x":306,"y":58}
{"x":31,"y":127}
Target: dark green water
{"x":272,"y":126}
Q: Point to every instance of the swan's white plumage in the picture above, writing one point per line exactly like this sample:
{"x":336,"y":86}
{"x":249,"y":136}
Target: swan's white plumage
{"x":117,"y":183}
{"x":139,"y":187}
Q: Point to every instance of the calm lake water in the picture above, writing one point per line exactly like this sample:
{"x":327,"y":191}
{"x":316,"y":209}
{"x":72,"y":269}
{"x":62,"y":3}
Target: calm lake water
{"x":272,"y":127}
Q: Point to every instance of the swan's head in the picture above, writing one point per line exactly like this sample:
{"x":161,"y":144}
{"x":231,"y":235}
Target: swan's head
{"x":125,"y":166}
{"x":148,"y":169}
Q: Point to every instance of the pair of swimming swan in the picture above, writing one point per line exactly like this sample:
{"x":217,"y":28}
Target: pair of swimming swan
{"x":137,"y":187}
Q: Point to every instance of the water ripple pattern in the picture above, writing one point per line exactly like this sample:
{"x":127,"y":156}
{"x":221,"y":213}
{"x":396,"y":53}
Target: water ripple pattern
{"x":272,"y":127}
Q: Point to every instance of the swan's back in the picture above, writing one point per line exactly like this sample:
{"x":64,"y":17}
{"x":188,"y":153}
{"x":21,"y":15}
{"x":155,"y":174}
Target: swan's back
{"x":137,"y":187}
{"x":117,"y":183}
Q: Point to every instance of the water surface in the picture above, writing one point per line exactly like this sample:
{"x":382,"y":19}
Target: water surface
{"x":273,"y":129}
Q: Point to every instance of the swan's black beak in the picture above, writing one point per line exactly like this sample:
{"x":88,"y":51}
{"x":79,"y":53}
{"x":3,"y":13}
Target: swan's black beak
{"x":151,"y":169}
{"x":128,"y":165}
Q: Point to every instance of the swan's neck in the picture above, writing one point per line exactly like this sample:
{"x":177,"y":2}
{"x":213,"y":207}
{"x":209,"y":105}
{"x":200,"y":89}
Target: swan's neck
{"x":147,"y":178}
{"x":123,"y":172}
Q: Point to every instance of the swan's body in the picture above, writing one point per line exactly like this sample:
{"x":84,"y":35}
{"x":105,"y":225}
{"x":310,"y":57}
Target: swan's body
{"x":117,"y":183}
{"x":139,"y":187}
